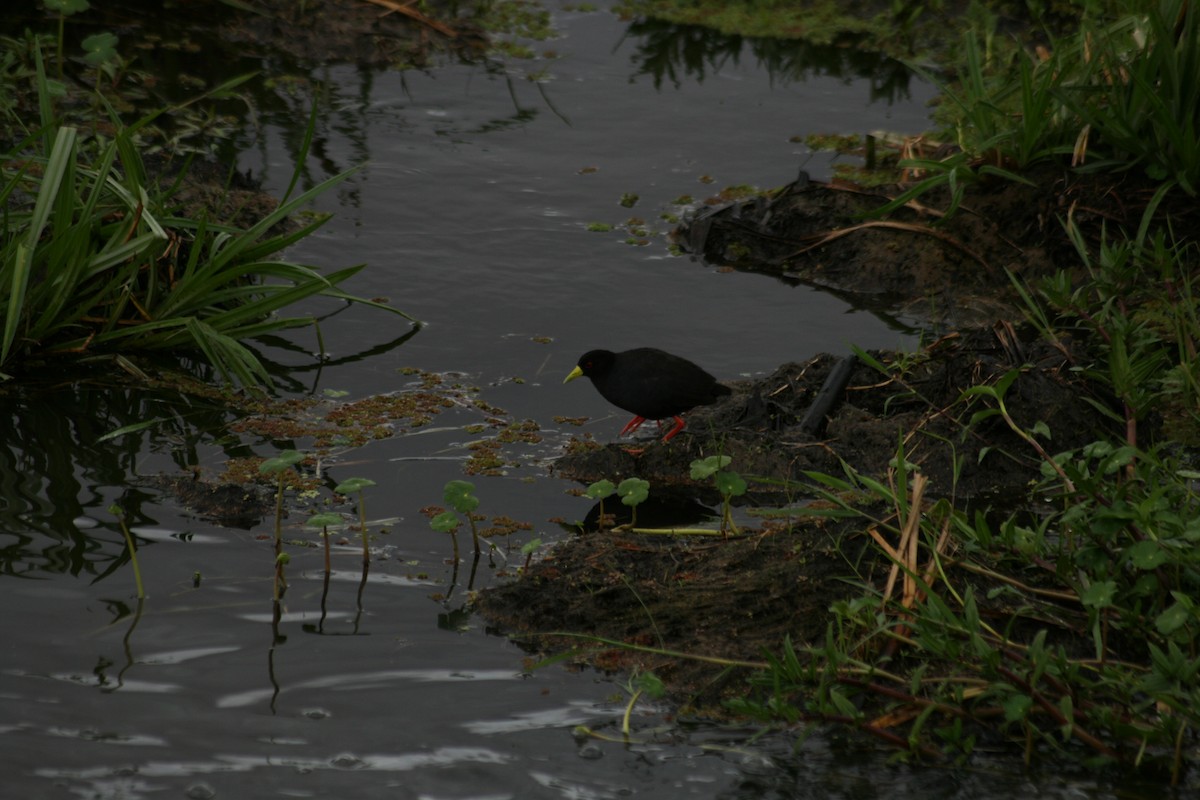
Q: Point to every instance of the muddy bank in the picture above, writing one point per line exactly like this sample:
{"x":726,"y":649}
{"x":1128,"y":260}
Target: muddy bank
{"x":918,"y":263}
{"x":741,"y":597}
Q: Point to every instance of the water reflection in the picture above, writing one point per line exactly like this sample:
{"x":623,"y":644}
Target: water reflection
{"x":689,"y":54}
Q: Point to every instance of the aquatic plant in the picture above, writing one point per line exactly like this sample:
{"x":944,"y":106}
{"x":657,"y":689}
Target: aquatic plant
{"x":358,"y":485}
{"x":460,"y":496}
{"x":728,"y":483}
{"x":598,"y":491}
{"x":323,"y":521}
{"x":278,"y":466}
{"x":633,"y":491}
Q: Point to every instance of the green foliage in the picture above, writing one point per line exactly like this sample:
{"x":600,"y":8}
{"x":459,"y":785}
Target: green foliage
{"x":323,"y":521}
{"x":445,"y":522}
{"x":1137,"y":92}
{"x":633,"y":491}
{"x":276,"y":465}
{"x":1115,"y":95}
{"x":728,"y":483}
{"x":1078,"y":625}
{"x":460,"y":496}
{"x":598,"y":491}
{"x":94,"y":259}
{"x":358,"y":486}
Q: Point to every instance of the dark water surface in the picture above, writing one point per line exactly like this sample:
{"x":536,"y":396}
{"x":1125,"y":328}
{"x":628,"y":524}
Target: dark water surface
{"x":472,"y":212}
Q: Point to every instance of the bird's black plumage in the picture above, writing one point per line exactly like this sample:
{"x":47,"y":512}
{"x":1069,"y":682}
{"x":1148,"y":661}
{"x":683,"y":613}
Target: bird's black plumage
{"x":649,"y":383}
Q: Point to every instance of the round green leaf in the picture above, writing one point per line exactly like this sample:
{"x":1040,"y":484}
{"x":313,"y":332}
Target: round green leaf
{"x":100,"y":48}
{"x":600,"y":489}
{"x":460,"y":495}
{"x":633,"y":491}
{"x":323,"y":520}
{"x":67,"y":7}
{"x":730,"y":484}
{"x":281,"y":462}
{"x":704,"y":467}
{"x":352,"y":485}
{"x":1147,"y":555}
{"x":446,"y":522}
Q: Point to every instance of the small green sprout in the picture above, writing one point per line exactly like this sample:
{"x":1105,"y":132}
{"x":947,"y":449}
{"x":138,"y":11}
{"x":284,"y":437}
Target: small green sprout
{"x":598,"y":491}
{"x":633,"y":492}
{"x":350,"y":486}
{"x":323,"y":521}
{"x":528,"y":549}
{"x":278,"y":466}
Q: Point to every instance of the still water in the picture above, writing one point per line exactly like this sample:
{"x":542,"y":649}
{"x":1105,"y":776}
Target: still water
{"x":473,"y":208}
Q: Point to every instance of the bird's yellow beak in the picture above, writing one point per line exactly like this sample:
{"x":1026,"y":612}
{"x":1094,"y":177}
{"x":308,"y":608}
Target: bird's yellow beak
{"x":575,"y":373}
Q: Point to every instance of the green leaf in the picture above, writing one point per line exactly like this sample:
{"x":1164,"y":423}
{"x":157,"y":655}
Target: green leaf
{"x":633,"y":491}
{"x":132,"y":428}
{"x":730,"y":484}
{"x":650,"y":684}
{"x":446,"y":522}
{"x":352,"y":485}
{"x":1099,"y":594}
{"x":281,"y":462}
{"x":1172,"y":619}
{"x":67,"y":7}
{"x":705,"y":467}
{"x":323,"y":520}
{"x":1017,"y":707}
{"x":1147,"y":555}
{"x":460,"y":495}
{"x":600,"y":489}
{"x":100,"y":48}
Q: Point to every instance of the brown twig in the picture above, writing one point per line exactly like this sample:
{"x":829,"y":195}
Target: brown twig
{"x":407,"y":10}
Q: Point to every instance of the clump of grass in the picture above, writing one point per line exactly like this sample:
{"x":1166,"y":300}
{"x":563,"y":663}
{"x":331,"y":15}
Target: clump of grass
{"x":94,"y":260}
{"x":1117,"y":95}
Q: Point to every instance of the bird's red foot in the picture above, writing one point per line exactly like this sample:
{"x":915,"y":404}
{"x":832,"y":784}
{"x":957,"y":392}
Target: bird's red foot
{"x":679,"y":424}
{"x":632,"y":425}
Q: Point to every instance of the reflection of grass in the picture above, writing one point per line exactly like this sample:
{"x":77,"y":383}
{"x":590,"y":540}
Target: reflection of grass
{"x":116,"y":511}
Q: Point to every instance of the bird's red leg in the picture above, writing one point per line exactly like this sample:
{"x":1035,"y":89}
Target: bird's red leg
{"x":632,"y":425}
{"x":679,"y":423}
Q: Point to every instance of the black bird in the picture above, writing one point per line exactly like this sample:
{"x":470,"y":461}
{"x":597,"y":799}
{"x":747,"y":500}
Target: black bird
{"x":649,"y":383}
